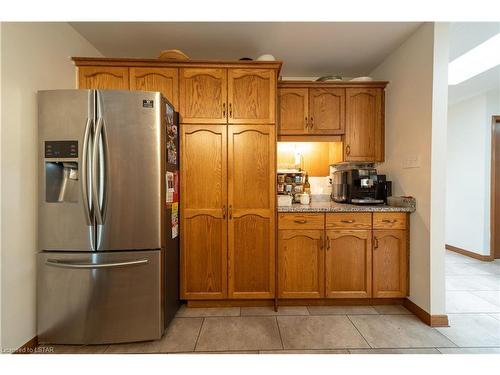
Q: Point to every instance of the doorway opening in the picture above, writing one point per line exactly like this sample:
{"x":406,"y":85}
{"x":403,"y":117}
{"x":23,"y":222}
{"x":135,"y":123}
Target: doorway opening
{"x":495,"y":189}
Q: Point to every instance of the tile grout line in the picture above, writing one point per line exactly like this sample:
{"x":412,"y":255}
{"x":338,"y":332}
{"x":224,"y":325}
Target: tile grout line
{"x":199,"y":333}
{"x":354,"y":325}
{"x":279,"y":331}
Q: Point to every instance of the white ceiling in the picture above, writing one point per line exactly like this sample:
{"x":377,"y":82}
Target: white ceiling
{"x":464,"y":36}
{"x":308,"y":49}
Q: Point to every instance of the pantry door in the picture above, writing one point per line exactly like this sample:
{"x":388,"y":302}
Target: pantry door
{"x":251,"y":215}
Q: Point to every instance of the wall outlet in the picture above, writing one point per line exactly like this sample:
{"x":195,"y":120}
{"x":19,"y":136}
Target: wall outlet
{"x":411,"y":161}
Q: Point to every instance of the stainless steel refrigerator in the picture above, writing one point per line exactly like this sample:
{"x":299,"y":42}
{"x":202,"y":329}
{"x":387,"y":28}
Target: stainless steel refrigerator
{"x":108,"y":217}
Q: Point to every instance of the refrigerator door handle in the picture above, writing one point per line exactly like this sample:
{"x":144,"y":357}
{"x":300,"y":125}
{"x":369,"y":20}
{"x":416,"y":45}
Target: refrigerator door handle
{"x":85,"y":181}
{"x":57,"y":263}
{"x":95,"y":178}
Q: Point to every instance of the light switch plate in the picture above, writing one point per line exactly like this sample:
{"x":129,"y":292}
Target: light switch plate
{"x":411,"y":161}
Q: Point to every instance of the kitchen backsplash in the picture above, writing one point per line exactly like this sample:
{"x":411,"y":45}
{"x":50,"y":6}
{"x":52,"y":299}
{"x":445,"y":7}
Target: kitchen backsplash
{"x":320,"y":185}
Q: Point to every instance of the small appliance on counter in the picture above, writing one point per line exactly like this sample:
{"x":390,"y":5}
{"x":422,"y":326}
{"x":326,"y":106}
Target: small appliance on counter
{"x":358,"y":184}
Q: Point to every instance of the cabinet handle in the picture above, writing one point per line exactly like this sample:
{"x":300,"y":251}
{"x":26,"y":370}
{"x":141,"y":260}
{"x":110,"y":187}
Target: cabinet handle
{"x":347,"y":150}
{"x":307,"y":124}
{"x":224,"y":211}
{"x":312,"y":122}
{"x":347,"y":221}
{"x":375,"y":245}
{"x":321,"y":242}
{"x":389,"y":221}
{"x":223,"y":109}
{"x":300,"y":221}
{"x":230,"y":110}
{"x":327,"y":243}
{"x":230,"y":211}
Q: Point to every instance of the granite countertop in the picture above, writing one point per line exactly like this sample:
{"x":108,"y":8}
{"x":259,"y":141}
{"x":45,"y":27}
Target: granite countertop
{"x":330,"y":206}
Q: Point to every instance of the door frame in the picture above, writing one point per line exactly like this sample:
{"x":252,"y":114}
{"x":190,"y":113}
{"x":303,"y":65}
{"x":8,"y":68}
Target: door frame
{"x":495,"y":121}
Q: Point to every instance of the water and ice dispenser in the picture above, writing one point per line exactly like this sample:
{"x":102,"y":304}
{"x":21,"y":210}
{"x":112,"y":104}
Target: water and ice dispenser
{"x":61,"y":173}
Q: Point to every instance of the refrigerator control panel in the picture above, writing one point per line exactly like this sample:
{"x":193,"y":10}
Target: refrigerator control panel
{"x":61,"y":149}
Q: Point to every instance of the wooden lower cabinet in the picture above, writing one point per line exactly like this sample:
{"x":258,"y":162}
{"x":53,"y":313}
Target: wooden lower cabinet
{"x":390,"y":263}
{"x":348,"y":264}
{"x":301,"y":263}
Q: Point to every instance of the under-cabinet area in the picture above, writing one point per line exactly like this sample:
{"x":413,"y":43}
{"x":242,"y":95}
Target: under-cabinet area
{"x":343,"y":255}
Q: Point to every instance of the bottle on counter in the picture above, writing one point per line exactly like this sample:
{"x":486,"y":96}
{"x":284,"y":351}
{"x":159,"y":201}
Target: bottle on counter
{"x":307,"y":185}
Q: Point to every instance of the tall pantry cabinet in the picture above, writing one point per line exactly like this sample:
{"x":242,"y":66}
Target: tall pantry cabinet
{"x":227,"y":112}
{"x":228,"y":182}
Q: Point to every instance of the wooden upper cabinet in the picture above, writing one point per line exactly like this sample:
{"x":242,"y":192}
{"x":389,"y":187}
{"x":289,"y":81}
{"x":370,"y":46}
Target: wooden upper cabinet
{"x":301,"y":263}
{"x":326,"y":111}
{"x":364,"y":133}
{"x":293,"y":111}
{"x":390,"y":263}
{"x":348,"y":264}
{"x":165,"y":80}
{"x":203,"y":212}
{"x":103,"y":77}
{"x":251,"y":215}
{"x":203,"y":95}
{"x":251,"y":96}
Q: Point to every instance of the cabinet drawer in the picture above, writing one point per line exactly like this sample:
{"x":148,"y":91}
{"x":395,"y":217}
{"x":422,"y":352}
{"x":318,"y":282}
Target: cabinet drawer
{"x":389,"y":220}
{"x":301,"y":221}
{"x":349,"y":220}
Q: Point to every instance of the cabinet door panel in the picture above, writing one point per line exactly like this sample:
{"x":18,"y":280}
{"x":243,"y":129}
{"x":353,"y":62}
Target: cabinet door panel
{"x":364,"y":138}
{"x":294,"y":111}
{"x":251,"y":96}
{"x":103,"y":77}
{"x":164,"y":80}
{"x":251,"y":257}
{"x":327,"y":111}
{"x":203,"y":95}
{"x":204,"y":257}
{"x":251,"y":196}
{"x":390,"y":263}
{"x":301,"y":264}
{"x":348,"y":264}
{"x":204,"y":223}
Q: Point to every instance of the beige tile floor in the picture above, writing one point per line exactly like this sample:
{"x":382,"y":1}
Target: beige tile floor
{"x":473,"y":306}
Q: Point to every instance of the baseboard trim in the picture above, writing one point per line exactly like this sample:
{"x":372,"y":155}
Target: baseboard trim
{"x":29,"y":347}
{"x":298,"y":302}
{"x":424,"y":316}
{"x":470,"y":254}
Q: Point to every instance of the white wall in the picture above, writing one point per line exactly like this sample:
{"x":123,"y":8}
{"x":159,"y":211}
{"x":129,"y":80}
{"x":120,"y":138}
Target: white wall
{"x":35,"y":56}
{"x":472,"y":103}
{"x":468,"y":174}
{"x":414,"y":115}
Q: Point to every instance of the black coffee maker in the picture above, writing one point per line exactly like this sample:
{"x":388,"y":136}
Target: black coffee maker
{"x":360,"y":186}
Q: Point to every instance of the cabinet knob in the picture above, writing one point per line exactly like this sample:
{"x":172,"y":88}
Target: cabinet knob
{"x":312,"y":122}
{"x":223,"y":109}
{"x":230,"y":110}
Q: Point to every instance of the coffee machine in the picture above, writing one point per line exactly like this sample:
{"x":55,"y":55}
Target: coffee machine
{"x":359,"y":184}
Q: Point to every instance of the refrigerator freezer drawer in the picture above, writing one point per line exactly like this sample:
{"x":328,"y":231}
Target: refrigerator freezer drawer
{"x":99,"y":298}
